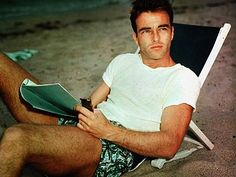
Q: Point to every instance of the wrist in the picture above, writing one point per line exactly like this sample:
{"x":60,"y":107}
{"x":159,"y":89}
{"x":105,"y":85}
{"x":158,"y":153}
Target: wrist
{"x":116,"y":134}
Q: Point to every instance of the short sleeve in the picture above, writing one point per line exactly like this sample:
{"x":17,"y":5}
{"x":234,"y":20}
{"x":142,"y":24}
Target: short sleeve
{"x":184,"y":88}
{"x":107,"y":77}
{"x":111,"y":70}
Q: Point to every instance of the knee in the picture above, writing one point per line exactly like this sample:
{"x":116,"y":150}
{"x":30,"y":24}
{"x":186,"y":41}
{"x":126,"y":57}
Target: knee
{"x":15,"y":138}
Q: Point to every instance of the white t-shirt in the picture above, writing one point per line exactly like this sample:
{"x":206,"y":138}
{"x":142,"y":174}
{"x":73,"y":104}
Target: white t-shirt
{"x":139,"y":94}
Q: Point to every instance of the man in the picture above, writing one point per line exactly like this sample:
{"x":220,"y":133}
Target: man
{"x":142,"y":107}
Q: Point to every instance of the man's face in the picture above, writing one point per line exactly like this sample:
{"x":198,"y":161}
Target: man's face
{"x":154,"y":35}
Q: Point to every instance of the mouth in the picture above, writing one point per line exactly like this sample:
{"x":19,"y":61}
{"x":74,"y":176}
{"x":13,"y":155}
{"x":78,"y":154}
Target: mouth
{"x":156,"y":46}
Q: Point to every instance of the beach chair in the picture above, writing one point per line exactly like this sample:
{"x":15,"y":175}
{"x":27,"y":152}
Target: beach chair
{"x":195,"y":47}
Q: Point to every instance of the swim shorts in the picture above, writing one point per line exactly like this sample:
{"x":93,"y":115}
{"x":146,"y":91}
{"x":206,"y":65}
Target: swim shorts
{"x":114,"y":160}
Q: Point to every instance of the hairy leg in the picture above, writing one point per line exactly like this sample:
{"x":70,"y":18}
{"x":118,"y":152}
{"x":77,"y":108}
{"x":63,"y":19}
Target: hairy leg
{"x":54,"y":150}
{"x":11,"y":77}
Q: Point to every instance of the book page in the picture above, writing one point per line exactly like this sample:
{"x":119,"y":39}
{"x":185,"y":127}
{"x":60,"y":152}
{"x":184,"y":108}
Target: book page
{"x":52,"y":98}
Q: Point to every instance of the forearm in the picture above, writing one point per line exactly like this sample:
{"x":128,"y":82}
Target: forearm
{"x":151,"y":144}
{"x":100,"y":94}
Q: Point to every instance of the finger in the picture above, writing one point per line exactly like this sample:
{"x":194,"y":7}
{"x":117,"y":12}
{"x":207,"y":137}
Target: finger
{"x":80,"y":126}
{"x":84,"y":110}
{"x":83,"y":118}
{"x":77,"y":107}
{"x":83,"y":126}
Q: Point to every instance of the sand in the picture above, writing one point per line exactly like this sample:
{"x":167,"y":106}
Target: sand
{"x":75,"y":48}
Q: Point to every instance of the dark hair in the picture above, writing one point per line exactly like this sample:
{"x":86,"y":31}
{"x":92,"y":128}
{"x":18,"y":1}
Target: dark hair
{"x":140,"y":6}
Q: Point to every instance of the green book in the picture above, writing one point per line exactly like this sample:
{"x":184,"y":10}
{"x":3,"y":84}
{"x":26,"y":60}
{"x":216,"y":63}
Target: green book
{"x":53,"y":98}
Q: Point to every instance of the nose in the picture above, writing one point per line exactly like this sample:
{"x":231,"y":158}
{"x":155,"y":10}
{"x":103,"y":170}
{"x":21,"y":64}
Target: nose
{"x":155,"y":35}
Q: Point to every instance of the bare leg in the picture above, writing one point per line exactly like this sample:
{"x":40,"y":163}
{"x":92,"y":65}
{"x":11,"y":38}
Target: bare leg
{"x":54,"y":150}
{"x":9,"y":91}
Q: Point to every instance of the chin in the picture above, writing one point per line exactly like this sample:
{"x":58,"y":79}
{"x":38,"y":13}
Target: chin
{"x":155,"y":54}
{"x":156,"y":57}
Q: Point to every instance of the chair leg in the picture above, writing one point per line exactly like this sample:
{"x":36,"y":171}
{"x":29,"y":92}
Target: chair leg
{"x":201,"y":135}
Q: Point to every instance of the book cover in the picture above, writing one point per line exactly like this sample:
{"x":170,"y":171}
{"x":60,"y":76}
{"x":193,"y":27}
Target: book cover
{"x":53,"y":98}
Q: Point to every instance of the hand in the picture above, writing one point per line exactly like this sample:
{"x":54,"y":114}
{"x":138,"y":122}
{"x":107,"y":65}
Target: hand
{"x":95,"y":123}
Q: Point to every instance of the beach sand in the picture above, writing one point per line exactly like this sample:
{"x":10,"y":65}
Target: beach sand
{"x":75,"y":48}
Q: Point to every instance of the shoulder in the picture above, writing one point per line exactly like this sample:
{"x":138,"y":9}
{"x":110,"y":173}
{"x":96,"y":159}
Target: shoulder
{"x":184,"y":77}
{"x":121,"y":62}
{"x":124,"y":58}
{"x":183,"y":72}
{"x":127,"y":57}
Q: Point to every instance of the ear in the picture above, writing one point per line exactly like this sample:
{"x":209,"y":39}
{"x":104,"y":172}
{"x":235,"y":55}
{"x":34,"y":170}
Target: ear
{"x":173,"y":32}
{"x":134,"y":35}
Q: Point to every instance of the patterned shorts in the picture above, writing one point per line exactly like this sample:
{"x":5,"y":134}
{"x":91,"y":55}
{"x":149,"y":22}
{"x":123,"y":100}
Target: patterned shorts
{"x":114,"y":160}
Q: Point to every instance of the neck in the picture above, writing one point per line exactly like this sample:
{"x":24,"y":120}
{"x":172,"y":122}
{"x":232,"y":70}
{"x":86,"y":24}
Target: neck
{"x":156,"y":63}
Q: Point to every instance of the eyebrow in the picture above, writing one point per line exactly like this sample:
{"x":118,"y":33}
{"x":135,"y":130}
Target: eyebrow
{"x":160,"y":26}
{"x":164,"y":25}
{"x":144,"y":28}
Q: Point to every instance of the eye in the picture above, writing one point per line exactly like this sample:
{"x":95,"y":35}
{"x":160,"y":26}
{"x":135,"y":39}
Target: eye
{"x":163,"y":29}
{"x":145,"y":31}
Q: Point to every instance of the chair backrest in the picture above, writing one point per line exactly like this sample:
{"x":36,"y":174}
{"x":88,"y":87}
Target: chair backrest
{"x":196,"y":47}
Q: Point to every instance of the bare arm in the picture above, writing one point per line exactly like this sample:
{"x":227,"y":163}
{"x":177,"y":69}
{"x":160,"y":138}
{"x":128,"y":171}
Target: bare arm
{"x":165,"y":143}
{"x":100,"y":94}
{"x":175,"y":121}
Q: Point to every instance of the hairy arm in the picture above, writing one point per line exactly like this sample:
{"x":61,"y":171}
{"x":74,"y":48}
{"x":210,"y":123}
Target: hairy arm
{"x":165,"y":143}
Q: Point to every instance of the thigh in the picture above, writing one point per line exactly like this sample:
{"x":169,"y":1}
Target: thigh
{"x":11,"y":77}
{"x":61,"y":150}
